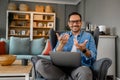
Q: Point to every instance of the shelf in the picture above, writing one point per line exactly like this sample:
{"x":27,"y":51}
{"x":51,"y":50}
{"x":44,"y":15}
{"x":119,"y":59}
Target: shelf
{"x":22,"y":19}
{"x":19,"y":35}
{"x":41,"y":28}
{"x":44,"y":20}
{"x":19,"y":27}
{"x":29,"y":24}
{"x":41,"y":36}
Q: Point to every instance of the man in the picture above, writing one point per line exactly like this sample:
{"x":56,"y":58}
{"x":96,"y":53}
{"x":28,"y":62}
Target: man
{"x":75,"y":40}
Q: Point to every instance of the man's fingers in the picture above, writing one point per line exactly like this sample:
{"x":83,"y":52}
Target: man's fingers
{"x":76,"y":43}
{"x":85,"y":42}
{"x":58,"y":36}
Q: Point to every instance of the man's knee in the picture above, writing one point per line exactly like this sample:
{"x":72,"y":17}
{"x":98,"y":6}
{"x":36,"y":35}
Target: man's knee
{"x":86,"y":71}
{"x":48,"y":70}
{"x":82,"y":73}
{"x":42,"y":64}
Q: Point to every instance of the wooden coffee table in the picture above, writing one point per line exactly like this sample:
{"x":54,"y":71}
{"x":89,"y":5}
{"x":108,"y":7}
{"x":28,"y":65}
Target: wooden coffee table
{"x":16,"y":69}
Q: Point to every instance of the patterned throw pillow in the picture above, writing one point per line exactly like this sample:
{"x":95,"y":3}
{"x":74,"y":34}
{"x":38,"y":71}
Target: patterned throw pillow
{"x":47,"y":48}
{"x":2,"y":48}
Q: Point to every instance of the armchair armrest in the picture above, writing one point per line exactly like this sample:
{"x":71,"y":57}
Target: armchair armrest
{"x":100,"y":68}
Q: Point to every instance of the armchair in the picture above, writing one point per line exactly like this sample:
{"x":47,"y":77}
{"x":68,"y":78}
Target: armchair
{"x":100,"y":67}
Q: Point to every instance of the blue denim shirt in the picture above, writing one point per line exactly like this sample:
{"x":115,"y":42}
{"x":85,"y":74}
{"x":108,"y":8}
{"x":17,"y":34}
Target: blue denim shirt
{"x":85,"y":61}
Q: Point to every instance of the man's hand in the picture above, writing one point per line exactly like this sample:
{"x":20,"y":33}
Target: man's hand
{"x":81,"y":46}
{"x":63,"y":39}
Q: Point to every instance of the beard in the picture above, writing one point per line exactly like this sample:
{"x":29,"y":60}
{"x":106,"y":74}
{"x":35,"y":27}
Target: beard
{"x":75,"y":29}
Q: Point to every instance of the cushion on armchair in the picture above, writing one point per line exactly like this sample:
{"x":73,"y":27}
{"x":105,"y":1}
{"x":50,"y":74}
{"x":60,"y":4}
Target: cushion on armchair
{"x":47,"y":48}
{"x":53,"y":38}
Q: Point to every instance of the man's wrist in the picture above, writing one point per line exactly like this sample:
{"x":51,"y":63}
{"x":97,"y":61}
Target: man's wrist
{"x":84,"y":50}
{"x":60,"y":47}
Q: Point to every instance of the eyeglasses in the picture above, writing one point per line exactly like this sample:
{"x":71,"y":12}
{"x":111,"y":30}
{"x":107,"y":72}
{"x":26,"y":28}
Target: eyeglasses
{"x":74,"y":21}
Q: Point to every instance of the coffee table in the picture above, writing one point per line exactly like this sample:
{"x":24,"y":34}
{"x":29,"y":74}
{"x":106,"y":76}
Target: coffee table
{"x":16,"y":69}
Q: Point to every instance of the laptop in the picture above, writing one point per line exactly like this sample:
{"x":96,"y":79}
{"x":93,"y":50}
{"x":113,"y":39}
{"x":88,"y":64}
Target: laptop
{"x":66,"y":59}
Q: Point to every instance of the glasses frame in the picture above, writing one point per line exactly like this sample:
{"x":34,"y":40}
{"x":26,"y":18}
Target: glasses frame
{"x":74,"y":21}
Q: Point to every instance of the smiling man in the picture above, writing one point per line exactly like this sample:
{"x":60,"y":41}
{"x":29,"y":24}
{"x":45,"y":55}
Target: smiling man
{"x":75,"y":40}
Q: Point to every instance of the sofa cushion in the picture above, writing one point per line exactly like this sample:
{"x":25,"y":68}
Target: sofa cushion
{"x":19,"y":46}
{"x":37,"y":46}
{"x":2,"y":48}
{"x":47,"y":48}
{"x":6,"y":44}
{"x":20,"y":57}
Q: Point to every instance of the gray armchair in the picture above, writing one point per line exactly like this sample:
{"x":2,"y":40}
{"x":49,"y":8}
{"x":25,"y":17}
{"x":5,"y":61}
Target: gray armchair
{"x":100,"y":67}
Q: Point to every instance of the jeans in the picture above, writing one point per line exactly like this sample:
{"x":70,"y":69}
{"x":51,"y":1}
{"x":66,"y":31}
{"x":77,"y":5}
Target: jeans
{"x":52,"y":72}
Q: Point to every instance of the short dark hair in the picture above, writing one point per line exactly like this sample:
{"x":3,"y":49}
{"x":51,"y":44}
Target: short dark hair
{"x":74,"y":13}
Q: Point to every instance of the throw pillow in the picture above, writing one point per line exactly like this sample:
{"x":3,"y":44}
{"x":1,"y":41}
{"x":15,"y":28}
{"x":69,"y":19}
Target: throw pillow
{"x":47,"y":48}
{"x":2,"y":48}
{"x":19,"y":46}
{"x":37,"y":46}
{"x":6,"y":44}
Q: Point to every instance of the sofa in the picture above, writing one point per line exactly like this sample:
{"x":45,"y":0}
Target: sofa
{"x":24,"y":48}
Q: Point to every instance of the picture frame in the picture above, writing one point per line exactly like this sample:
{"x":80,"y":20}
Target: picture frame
{"x":40,"y":24}
{"x":50,"y":24}
{"x":12,"y":32}
{"x":23,"y":32}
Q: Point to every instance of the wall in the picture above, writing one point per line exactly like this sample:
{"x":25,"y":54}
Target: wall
{"x":3,"y":8}
{"x":105,"y":12}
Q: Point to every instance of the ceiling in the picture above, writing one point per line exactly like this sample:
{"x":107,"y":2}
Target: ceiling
{"x":71,"y":2}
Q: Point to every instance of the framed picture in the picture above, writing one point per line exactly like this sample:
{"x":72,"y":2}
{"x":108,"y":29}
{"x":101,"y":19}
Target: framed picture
{"x":23,"y":32}
{"x":12,"y":32}
{"x":50,"y":24}
{"x":40,"y":25}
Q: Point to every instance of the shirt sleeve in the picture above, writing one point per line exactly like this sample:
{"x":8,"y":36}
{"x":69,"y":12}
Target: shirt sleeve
{"x":92,"y":47}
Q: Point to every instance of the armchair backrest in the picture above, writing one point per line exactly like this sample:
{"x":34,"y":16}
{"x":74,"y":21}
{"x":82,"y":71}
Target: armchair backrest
{"x":53,"y":37}
{"x":95,"y":35}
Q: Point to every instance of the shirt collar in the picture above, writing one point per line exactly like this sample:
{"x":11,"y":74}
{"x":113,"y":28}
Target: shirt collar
{"x":80,"y":34}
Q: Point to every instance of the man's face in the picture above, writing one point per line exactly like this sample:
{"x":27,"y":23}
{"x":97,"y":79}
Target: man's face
{"x":75,"y":23}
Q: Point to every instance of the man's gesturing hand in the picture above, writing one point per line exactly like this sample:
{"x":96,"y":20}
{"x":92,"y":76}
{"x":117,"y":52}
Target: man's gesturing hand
{"x":63,"y":38}
{"x":81,"y":46}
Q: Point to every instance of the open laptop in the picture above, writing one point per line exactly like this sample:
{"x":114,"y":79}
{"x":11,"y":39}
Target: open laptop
{"x":66,"y":59}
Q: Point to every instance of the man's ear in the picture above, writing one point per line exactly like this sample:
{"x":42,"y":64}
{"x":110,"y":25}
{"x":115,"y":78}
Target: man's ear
{"x":82,"y":24}
{"x":67,"y":27}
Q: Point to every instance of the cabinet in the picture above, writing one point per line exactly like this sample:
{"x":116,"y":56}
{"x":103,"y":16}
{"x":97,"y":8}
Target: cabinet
{"x":106,"y":49}
{"x":29,"y":24}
